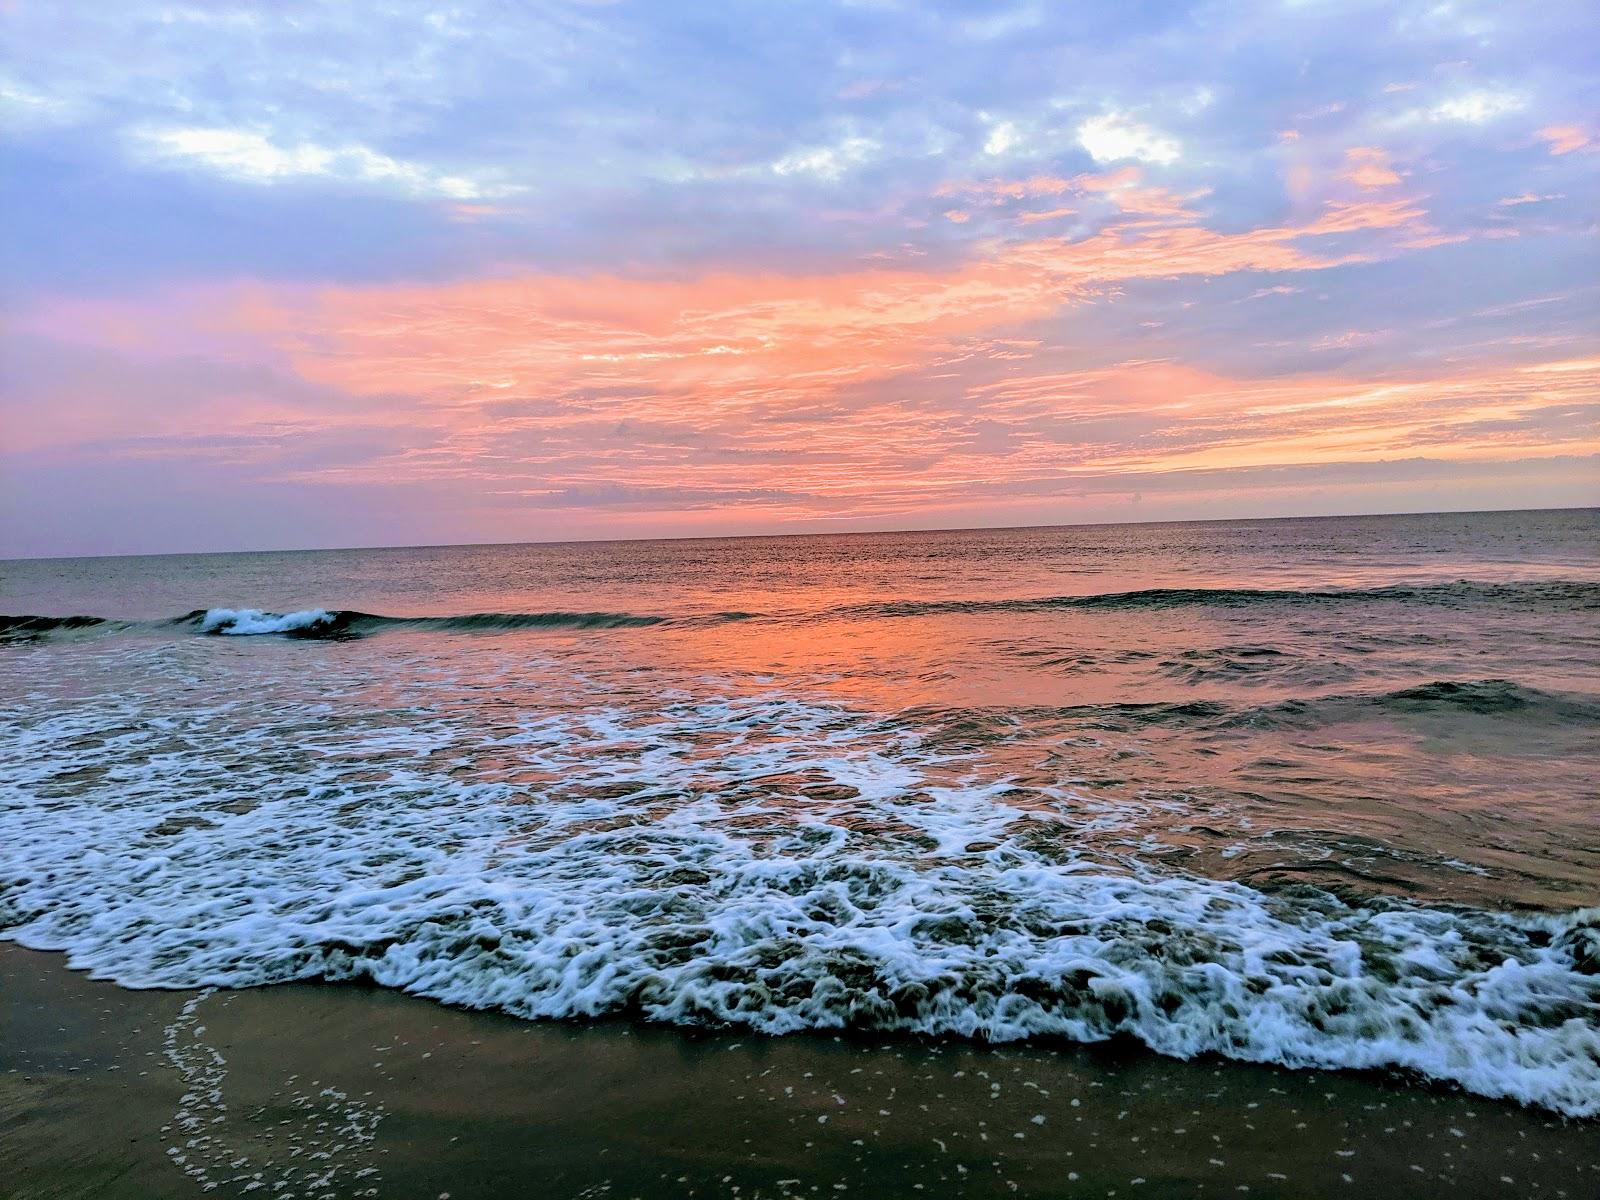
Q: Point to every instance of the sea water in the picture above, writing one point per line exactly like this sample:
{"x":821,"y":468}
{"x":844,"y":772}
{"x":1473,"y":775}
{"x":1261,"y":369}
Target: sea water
{"x":1312,"y":792}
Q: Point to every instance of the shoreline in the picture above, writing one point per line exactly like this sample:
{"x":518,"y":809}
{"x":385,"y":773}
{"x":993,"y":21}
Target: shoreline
{"x":318,"y":1089}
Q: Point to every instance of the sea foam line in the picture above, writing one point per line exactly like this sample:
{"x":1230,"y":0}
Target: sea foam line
{"x":766,"y":862}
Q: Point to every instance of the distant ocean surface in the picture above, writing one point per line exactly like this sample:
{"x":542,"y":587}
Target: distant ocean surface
{"x":1313,"y":792}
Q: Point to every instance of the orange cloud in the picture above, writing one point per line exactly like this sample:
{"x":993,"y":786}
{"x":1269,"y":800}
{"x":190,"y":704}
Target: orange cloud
{"x":1201,"y":421}
{"x":759,"y":341}
{"x":753,"y":343}
{"x":1049,"y":214}
{"x":1118,"y":189}
{"x":808,"y":395}
{"x":1368,"y":168}
{"x":998,"y":190}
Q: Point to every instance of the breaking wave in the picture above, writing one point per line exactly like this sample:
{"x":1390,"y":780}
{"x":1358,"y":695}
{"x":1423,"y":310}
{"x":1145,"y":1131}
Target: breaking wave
{"x":239,"y":622}
{"x":321,"y":623}
{"x":820,"y":870}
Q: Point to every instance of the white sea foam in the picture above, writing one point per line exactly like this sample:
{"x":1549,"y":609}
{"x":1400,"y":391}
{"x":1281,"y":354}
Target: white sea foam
{"x":767,"y":861}
{"x":320,"y":1146}
{"x":246,"y":621}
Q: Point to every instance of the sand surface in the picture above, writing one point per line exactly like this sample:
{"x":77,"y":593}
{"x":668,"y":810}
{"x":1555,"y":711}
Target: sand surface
{"x":312,"y":1090}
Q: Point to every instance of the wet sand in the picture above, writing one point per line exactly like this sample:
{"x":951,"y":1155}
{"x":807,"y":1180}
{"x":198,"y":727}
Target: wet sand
{"x":314,"y":1090}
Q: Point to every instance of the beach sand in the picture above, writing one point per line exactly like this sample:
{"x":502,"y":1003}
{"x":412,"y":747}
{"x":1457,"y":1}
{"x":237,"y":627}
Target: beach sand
{"x":317,"y":1090}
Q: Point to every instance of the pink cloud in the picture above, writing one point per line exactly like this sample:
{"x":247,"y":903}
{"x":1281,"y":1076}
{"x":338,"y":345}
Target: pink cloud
{"x":1564,"y":139}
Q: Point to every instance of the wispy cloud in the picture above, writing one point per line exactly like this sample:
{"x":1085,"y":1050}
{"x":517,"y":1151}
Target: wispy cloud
{"x":253,"y":157}
{"x":1476,"y":107}
{"x":826,"y":162}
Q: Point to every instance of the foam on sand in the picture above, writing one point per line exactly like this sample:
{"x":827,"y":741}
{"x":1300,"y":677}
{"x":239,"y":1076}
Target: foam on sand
{"x":766,"y":861}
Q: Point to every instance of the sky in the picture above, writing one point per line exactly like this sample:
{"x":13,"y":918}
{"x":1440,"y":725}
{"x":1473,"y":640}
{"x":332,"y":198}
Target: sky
{"x":332,"y":274}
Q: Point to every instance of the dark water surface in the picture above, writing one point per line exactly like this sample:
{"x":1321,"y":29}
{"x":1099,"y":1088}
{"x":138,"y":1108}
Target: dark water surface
{"x":1314,"y":792}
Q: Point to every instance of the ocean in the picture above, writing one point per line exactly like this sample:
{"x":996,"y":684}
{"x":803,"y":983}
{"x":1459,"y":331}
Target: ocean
{"x":1319,"y":793}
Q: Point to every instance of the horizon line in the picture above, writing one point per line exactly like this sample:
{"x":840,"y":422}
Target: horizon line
{"x":723,"y":537}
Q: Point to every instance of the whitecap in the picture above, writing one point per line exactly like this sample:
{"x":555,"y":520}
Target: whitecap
{"x":247,"y":621}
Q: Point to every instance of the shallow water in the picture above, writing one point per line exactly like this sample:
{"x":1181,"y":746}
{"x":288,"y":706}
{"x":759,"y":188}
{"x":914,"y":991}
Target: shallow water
{"x":1312,"y":792}
{"x":305,"y":1090}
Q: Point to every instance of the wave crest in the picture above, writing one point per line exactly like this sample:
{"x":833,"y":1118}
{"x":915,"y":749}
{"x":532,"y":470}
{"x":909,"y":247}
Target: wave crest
{"x":348,"y":623}
{"x":246,"y":622}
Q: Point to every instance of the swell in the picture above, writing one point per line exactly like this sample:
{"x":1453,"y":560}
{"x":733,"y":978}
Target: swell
{"x":27,"y":628}
{"x":1442,"y":697}
{"x":1546,"y":596}
{"x":340,"y":623}
{"x":1500,"y":698}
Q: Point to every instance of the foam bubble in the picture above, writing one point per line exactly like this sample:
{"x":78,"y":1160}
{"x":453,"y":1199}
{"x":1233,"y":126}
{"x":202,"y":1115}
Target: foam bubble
{"x":768,"y":860}
{"x":323,"y":1140}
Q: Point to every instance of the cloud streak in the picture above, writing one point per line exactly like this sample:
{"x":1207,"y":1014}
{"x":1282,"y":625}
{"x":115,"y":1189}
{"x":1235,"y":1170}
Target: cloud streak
{"x":253,"y":157}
